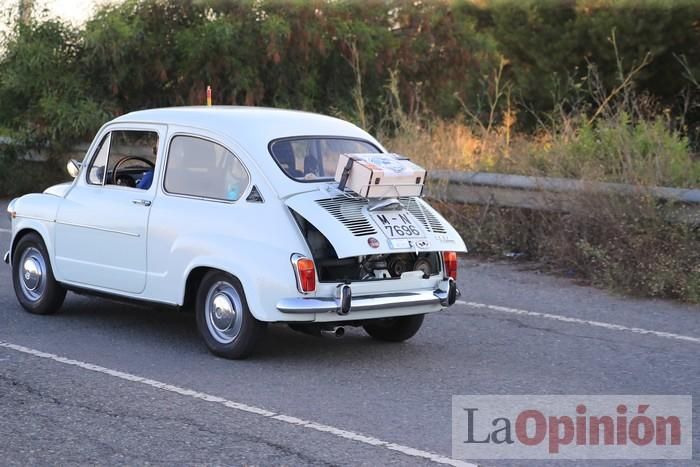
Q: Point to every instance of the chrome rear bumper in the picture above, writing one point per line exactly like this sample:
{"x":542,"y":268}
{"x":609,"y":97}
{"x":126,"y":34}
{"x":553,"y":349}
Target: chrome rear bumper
{"x":6,"y":258}
{"x":370,"y":302}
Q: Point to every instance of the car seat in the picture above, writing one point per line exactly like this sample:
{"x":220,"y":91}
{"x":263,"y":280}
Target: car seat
{"x":284,"y":153}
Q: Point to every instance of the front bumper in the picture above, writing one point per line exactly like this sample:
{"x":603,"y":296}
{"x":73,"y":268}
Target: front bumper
{"x":344,"y":305}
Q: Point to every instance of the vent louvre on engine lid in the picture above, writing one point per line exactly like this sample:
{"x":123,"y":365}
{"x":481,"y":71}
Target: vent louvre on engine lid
{"x":350,"y":213}
{"x":424,"y":215}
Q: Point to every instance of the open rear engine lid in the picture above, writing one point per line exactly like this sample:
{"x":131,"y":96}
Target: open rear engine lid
{"x":354,"y":230}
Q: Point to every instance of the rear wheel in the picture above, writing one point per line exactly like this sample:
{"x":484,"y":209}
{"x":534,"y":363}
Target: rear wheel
{"x":32,"y":277}
{"x":223,"y":318}
{"x":394,"y":329}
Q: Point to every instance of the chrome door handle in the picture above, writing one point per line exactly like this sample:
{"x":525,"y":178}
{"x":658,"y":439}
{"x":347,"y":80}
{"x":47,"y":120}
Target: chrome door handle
{"x":142,"y":202}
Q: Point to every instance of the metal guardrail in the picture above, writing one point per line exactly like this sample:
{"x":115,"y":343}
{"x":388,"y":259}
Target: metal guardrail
{"x":550,"y":194}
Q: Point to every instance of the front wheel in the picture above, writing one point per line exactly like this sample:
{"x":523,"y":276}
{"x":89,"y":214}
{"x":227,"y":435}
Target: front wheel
{"x":394,"y":329}
{"x":32,"y":277}
{"x":223,"y":318}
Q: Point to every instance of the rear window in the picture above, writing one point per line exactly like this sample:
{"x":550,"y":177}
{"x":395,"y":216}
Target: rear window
{"x":312,"y":159}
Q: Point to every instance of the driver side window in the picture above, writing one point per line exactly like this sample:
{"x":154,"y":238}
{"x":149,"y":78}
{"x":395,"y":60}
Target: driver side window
{"x":125,"y":158}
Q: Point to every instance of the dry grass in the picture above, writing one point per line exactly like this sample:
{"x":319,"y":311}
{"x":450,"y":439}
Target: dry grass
{"x":624,"y":244}
{"x":617,"y":149}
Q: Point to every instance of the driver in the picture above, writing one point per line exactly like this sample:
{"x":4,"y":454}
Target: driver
{"x":147,"y":179}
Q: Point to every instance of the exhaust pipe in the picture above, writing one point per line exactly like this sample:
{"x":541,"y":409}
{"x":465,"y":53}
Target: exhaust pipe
{"x":318,"y":330}
{"x":337,"y":331}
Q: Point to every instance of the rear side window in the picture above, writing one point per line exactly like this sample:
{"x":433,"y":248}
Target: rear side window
{"x":198,"y":167}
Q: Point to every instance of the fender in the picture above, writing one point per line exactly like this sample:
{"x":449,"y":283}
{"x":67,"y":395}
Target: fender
{"x":259,"y":267}
{"x":59,"y":190}
{"x":35,"y":212}
{"x":46,"y":233}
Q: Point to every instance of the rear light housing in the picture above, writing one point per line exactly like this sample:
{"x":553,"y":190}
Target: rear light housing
{"x":449,"y":260}
{"x":305,"y":272}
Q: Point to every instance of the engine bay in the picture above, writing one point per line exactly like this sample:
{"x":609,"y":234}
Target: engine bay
{"x":330,"y":268}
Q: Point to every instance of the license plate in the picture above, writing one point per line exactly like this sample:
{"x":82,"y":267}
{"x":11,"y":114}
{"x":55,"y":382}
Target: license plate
{"x":397,"y":224}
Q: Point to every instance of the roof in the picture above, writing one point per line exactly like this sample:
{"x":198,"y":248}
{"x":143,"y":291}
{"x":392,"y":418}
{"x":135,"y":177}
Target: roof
{"x":253,"y":128}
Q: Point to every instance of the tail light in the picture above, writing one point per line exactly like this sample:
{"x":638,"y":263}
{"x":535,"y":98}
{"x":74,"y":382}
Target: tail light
{"x":449,"y":259}
{"x":305,"y":272}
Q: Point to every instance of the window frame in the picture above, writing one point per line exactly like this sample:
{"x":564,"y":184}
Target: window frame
{"x":156,"y":128}
{"x":93,"y":158}
{"x":244,"y":191}
{"x":312,"y":137}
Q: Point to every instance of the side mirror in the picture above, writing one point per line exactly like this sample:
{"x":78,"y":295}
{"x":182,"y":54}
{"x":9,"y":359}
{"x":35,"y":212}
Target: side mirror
{"x":73,"y":168}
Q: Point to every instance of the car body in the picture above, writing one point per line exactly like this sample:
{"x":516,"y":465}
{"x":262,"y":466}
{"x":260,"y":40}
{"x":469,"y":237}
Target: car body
{"x":151,"y":213}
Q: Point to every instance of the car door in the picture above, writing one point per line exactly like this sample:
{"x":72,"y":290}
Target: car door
{"x":102,"y":224}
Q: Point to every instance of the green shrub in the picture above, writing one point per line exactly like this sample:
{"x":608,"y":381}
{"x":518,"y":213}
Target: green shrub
{"x":58,"y":83}
{"x":44,"y":99}
{"x":617,"y":149}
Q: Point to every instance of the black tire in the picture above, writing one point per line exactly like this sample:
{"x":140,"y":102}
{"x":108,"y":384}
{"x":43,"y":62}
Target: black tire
{"x":238,"y":339}
{"x":394,"y":329}
{"x":37,"y":293}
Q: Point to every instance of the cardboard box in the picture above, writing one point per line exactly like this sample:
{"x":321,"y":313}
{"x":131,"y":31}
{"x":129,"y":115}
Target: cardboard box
{"x":380,"y":175}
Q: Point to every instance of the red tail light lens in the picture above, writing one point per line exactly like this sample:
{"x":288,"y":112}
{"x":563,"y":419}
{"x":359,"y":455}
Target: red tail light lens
{"x":449,"y":258}
{"x":305,"y":272}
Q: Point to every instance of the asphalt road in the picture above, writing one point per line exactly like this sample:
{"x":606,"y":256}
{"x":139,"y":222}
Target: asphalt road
{"x":72,"y":387}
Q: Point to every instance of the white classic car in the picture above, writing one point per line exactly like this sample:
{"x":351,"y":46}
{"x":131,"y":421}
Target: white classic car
{"x":234,"y":212}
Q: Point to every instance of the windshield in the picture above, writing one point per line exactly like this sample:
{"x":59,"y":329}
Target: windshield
{"x":313,"y":159}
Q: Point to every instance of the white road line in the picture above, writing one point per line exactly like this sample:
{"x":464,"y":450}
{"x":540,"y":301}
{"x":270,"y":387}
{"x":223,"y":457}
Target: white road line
{"x":350,"y":435}
{"x":568,"y":319}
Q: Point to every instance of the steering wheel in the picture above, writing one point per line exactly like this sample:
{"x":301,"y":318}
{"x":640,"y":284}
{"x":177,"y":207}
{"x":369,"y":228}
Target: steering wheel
{"x":126,"y":159}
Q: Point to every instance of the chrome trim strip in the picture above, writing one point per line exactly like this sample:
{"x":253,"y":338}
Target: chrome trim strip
{"x":102,"y":229}
{"x":362,"y":303}
{"x":92,"y":227}
{"x":34,"y":218}
{"x":6,"y":258}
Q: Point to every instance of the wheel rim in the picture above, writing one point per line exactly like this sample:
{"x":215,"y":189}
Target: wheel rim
{"x":32,"y":274}
{"x":223,"y":312}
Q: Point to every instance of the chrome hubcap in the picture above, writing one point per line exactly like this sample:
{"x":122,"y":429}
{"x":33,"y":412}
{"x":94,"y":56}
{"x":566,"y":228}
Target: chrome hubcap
{"x":223,"y":312}
{"x":32,"y":274}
